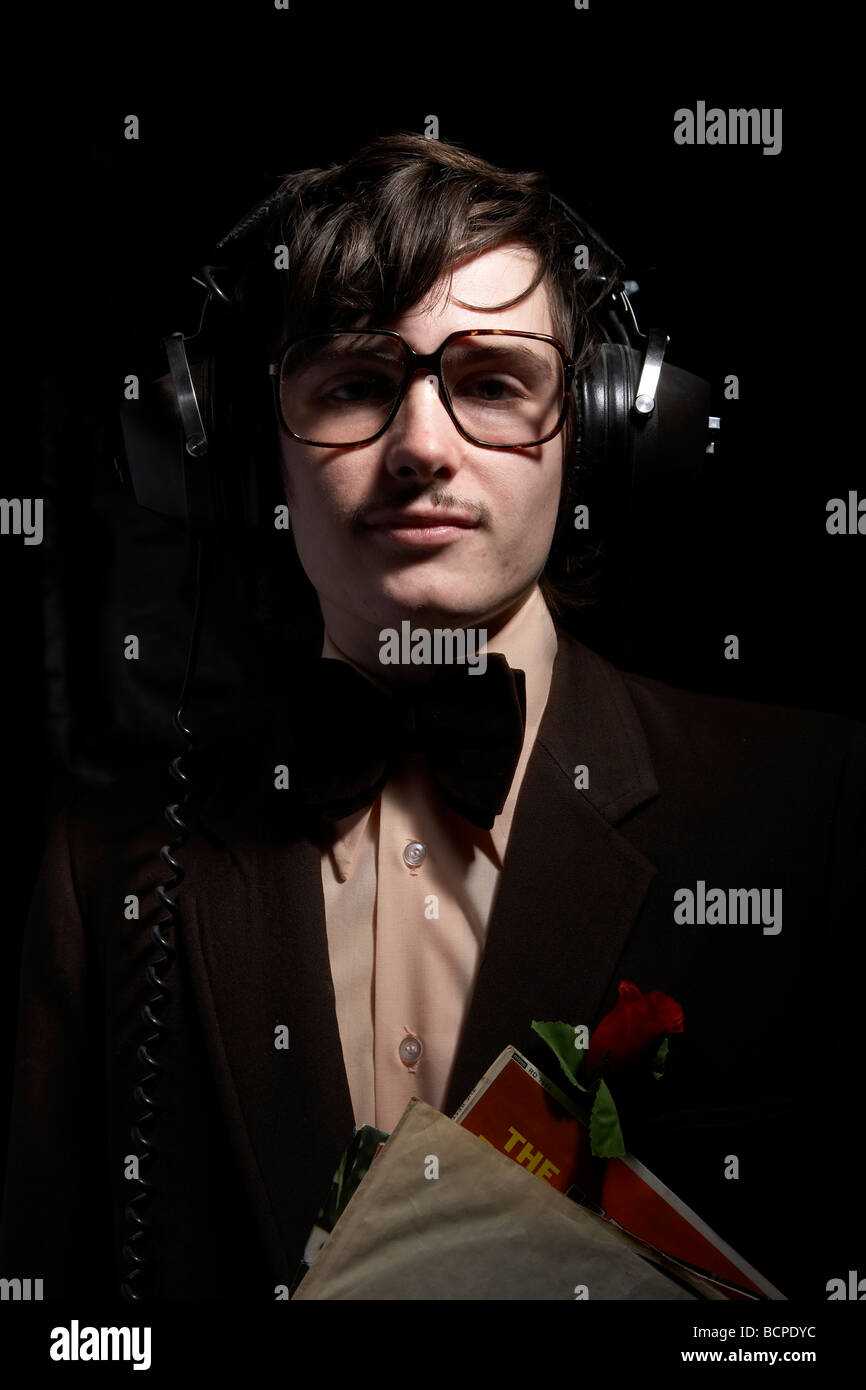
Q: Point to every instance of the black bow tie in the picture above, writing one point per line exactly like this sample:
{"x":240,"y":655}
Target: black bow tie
{"x":347,"y":734}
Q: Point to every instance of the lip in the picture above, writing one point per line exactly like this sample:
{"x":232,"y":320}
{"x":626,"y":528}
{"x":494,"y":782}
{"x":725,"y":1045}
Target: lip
{"x":416,"y":520}
{"x":420,"y":530}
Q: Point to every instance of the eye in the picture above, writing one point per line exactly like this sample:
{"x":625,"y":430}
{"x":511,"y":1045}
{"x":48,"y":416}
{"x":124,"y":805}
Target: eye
{"x":358,"y":388}
{"x":491,"y":390}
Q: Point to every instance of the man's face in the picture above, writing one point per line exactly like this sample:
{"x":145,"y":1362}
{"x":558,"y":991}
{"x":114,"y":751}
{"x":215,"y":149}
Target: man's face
{"x":370,"y":576}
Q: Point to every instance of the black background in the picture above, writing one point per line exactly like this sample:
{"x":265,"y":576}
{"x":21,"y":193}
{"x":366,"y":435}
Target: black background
{"x":741,"y":257}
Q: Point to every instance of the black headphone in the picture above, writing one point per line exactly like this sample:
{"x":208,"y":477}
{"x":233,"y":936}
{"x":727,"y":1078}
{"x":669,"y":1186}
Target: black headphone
{"x":186,"y":460}
{"x":194,"y":457}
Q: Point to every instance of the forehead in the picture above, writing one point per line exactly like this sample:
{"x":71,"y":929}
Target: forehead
{"x":491,"y":278}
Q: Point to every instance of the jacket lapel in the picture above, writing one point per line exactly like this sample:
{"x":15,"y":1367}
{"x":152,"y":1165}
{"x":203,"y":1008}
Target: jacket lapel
{"x":571,"y":885}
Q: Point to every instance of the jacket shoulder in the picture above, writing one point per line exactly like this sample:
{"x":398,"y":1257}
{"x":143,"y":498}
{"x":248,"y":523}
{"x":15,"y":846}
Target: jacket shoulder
{"x":740,"y":729}
{"x":672,"y":712}
{"x":745,"y":746}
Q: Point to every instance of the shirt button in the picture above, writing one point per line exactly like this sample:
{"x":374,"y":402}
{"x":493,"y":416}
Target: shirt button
{"x":410,"y":1050}
{"x":414,"y":854}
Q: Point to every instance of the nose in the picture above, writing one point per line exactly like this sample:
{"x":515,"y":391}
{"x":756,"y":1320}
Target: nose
{"x":422,"y":440}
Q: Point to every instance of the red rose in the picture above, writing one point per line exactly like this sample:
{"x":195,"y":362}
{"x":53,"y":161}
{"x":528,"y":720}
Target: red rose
{"x":634,"y":1024}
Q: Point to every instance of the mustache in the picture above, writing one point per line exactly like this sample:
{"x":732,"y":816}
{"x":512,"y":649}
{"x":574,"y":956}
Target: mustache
{"x":478,"y":512}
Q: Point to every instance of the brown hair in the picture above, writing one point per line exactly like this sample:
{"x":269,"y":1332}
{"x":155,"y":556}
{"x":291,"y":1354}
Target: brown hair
{"x":373,"y":236}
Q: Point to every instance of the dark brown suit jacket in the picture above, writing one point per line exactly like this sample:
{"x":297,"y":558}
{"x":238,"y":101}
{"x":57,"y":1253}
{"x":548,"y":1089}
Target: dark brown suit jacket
{"x":682,"y":787}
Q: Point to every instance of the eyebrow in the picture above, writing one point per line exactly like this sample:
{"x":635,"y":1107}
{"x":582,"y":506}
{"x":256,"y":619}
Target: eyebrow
{"x":513,"y":346}
{"x":329,"y":352}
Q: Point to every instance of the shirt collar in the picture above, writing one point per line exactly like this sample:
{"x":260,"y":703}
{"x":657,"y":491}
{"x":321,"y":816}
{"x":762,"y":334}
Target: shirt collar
{"x":528,"y":641}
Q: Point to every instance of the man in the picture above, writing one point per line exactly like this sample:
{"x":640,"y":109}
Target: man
{"x":399,"y":933}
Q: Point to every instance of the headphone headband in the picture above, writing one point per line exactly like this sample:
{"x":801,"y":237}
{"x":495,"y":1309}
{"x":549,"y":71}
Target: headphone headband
{"x":258,"y":216}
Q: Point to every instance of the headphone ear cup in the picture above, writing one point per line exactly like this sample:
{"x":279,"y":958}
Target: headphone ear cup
{"x":681,"y":420}
{"x":235,"y":483}
{"x":154,"y":450}
{"x":628,"y":452}
{"x":607,"y":434}
{"x":166,"y":478}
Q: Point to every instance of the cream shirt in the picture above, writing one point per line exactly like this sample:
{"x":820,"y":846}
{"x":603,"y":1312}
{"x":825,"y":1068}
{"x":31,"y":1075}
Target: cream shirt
{"x":406,"y":941}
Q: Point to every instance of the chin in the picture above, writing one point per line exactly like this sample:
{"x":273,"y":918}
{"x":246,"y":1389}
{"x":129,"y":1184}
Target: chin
{"x":429,"y":606}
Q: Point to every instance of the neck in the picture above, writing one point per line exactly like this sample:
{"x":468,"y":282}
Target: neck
{"x":404,"y":653}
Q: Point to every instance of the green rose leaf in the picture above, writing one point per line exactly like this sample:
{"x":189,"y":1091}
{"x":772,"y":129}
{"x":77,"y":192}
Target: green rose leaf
{"x":605,"y":1135}
{"x":560,"y":1038}
{"x":659,"y":1059}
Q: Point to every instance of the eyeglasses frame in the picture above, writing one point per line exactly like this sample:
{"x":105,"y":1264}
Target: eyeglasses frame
{"x":430,"y":362}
